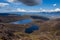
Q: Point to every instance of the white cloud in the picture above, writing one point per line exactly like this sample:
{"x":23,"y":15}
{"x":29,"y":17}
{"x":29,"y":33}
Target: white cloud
{"x":10,"y":0}
{"x":51,"y":10}
{"x":3,"y":4}
{"x":33,"y":11}
{"x":13,"y":10}
{"x":57,"y":9}
{"x":20,"y":10}
{"x":24,"y":10}
{"x":15,"y":2}
{"x":54,"y":5}
{"x":41,"y":10}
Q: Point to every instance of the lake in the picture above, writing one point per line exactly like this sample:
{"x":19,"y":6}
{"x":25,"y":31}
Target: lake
{"x":25,"y":21}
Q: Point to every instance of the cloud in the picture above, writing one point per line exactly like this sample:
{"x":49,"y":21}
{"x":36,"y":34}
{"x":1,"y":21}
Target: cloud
{"x":54,"y":5}
{"x":40,"y":10}
{"x":20,"y":10}
{"x":33,"y":11}
{"x":17,"y":10}
{"x":25,"y":10}
{"x":27,"y":2}
{"x":13,"y":10}
{"x":3,"y":4}
{"x":10,"y":0}
{"x":51,"y":10}
{"x":31,"y":2}
{"x":57,"y":9}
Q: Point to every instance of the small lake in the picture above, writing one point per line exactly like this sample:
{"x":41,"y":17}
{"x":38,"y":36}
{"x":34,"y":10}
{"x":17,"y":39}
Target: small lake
{"x":31,"y":29}
{"x":24,"y":21}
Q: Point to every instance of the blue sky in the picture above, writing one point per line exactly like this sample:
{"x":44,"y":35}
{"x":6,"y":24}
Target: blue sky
{"x":50,"y":4}
{"x":10,"y":5}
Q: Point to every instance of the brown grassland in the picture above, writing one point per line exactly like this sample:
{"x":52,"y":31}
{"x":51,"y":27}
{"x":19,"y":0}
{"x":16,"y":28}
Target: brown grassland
{"x":48,"y":30}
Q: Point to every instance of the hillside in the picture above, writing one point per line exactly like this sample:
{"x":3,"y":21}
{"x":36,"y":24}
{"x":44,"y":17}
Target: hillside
{"x":12,"y":18}
{"x":48,"y":30}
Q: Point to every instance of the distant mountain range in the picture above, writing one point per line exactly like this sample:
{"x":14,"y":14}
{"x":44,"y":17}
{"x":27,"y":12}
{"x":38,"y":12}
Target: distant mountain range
{"x":46,"y":14}
{"x":6,"y":14}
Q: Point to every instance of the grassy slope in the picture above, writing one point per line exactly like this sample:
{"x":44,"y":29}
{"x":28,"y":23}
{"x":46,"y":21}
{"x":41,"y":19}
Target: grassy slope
{"x":49,"y":30}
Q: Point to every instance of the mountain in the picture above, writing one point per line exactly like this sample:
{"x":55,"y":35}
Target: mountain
{"x":6,"y":14}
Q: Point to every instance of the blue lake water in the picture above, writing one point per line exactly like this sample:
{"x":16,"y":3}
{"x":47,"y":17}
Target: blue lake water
{"x":31,"y":29}
{"x":25,"y":21}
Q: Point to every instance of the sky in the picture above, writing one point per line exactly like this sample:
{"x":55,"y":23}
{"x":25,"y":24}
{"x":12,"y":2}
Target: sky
{"x":16,"y":6}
